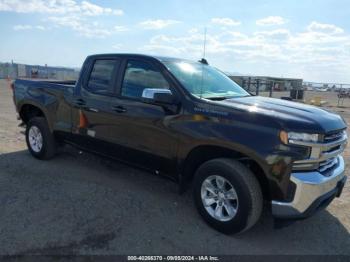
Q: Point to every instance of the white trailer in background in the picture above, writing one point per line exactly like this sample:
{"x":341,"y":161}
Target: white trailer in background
{"x":21,"y":71}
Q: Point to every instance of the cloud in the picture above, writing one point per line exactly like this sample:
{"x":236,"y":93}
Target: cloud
{"x":284,"y":32}
{"x":94,"y":10}
{"x":279,"y":44}
{"x":22,"y":27}
{"x":72,"y":14}
{"x":40,"y":27}
{"x":73,"y":22}
{"x":189,"y":45}
{"x":162,"y":49}
{"x":278,"y":34}
{"x":66,"y":13}
{"x":65,"y":7}
{"x":157,"y":24}
{"x":118,"y":46}
{"x":84,"y":28}
{"x":317,"y":52}
{"x":324,"y":28}
{"x":120,"y":28}
{"x":225,"y":21}
{"x":28,"y":27}
{"x":271,"y":20}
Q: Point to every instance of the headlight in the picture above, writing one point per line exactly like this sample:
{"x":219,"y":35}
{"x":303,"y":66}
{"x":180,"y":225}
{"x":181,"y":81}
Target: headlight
{"x":292,"y":137}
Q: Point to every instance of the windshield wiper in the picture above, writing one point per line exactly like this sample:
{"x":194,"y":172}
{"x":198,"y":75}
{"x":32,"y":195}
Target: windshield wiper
{"x":241,"y":96}
{"x":219,"y":98}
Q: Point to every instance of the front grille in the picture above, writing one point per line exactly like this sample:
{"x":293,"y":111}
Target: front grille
{"x":332,"y":149}
{"x":334,"y":136}
{"x":324,"y":155}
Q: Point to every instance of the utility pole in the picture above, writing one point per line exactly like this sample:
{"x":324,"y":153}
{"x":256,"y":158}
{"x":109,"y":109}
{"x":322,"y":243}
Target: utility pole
{"x":257,"y":86}
{"x":47,"y":71}
{"x":271,"y":87}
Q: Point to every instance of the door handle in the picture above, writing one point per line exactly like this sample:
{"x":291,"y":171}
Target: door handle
{"x":92,"y":109}
{"x":80,"y":102}
{"x":119,"y":109}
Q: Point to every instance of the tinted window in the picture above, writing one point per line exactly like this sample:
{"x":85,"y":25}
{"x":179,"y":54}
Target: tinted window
{"x":101,"y":77}
{"x":140,"y":75}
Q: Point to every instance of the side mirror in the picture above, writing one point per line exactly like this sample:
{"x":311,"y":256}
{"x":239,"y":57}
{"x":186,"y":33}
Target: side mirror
{"x":159,"y":96}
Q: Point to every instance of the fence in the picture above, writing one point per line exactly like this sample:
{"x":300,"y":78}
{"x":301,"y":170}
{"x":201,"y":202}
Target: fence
{"x":13,"y":71}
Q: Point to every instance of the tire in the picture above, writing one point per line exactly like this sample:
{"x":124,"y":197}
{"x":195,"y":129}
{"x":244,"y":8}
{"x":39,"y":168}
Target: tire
{"x":44,"y":148}
{"x":246,"y":199}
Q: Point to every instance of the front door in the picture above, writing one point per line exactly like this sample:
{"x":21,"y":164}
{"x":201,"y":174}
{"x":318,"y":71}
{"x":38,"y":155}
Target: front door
{"x":144,"y":130}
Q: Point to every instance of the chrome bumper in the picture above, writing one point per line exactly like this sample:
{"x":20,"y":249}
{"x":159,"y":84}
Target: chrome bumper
{"x":311,"y":187}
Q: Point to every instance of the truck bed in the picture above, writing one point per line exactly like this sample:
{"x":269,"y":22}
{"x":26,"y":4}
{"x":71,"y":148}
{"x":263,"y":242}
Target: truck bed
{"x":41,"y":92}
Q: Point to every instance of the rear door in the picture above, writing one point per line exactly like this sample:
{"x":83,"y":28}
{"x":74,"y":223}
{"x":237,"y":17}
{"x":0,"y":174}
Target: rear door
{"x":92,"y":105}
{"x":144,"y":130}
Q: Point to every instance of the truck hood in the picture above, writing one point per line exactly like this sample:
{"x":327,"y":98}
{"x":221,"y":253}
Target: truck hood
{"x":290,"y":115}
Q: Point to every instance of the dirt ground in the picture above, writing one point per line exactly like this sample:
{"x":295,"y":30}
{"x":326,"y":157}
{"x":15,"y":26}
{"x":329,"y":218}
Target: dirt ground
{"x":78,"y":203}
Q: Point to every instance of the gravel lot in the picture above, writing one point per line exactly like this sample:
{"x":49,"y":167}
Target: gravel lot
{"x":78,"y":203}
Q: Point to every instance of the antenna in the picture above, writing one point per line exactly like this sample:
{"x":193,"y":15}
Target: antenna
{"x":205,"y":41}
{"x":203,"y":60}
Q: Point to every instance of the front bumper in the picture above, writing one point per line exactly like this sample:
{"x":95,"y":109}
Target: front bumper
{"x":313,"y":191}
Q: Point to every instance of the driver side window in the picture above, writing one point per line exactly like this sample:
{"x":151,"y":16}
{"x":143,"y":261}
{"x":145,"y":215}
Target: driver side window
{"x":140,"y":75}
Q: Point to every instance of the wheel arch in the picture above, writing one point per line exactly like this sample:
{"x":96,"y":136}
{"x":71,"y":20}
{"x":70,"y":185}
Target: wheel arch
{"x":203,"y":153}
{"x":28,"y":110}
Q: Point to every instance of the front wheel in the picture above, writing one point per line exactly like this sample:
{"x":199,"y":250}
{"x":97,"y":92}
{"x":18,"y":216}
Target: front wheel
{"x":227,"y":195}
{"x":40,"y":141}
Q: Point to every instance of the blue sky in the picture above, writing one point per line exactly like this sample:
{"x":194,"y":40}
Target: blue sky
{"x":305,"y":39}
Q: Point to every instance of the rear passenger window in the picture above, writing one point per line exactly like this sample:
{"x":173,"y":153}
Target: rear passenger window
{"x":140,"y":75}
{"x":101,"y":76}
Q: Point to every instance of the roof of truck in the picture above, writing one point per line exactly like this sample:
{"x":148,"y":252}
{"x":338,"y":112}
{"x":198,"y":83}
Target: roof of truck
{"x":159,"y":58}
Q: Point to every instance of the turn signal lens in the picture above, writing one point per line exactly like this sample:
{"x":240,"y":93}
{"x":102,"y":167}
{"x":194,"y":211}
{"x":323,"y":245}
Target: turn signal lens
{"x":284,"y":137}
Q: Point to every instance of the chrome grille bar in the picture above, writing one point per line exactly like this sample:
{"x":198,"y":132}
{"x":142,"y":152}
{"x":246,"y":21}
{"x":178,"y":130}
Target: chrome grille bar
{"x":333,"y":137}
{"x":329,"y":163}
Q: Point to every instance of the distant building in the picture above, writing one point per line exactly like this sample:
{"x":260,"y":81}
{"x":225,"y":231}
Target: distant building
{"x":315,"y":86}
{"x":14,"y":70}
{"x":265,"y":83}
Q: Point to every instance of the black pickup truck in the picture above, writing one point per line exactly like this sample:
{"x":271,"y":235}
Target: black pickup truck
{"x":190,"y":122}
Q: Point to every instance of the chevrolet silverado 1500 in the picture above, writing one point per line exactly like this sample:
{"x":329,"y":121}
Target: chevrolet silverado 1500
{"x":190,"y":122}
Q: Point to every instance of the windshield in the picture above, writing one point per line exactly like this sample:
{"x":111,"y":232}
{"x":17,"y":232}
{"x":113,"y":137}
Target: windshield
{"x":205,"y":81}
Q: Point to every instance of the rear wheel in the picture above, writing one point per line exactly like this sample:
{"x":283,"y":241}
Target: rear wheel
{"x":227,"y":195}
{"x":40,"y":141}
